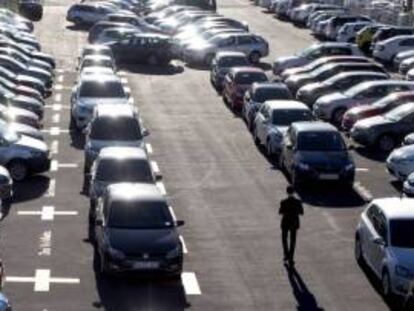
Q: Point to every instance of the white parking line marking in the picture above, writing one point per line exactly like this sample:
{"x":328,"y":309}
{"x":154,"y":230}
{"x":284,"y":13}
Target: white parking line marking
{"x":161,"y":186}
{"x":185,"y":250}
{"x":58,"y":87}
{"x":60,"y":78}
{"x":155,"y":167}
{"x":68,"y":165}
{"x":52,"y":188}
{"x":149,"y":148}
{"x":54,"y":165}
{"x":57,"y":107}
{"x":42,"y":280}
{"x":124,"y":80}
{"x":45,"y":243}
{"x":60,"y":70}
{"x":190,"y":283}
{"x":55,"y":131}
{"x":56,"y":118}
{"x":47,"y":213}
{"x":172,"y":213}
{"x":54,"y":147}
{"x":58,"y":98}
{"x":365,"y":194}
{"x":362,"y":169}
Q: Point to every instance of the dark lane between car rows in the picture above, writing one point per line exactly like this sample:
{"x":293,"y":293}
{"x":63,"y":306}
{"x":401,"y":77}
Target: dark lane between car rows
{"x":216,"y":180}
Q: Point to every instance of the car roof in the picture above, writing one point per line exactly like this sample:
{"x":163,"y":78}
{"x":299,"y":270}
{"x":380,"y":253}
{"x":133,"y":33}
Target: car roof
{"x":310,"y":126}
{"x":236,"y":70}
{"x":396,"y":208}
{"x":360,"y":73}
{"x":138,"y":192}
{"x":398,"y":38}
{"x":115,"y":110}
{"x":286,"y":104}
{"x":120,"y":152}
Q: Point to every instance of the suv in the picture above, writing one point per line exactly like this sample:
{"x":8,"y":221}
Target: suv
{"x":152,"y":49}
{"x":136,"y":231}
{"x":316,"y":151}
{"x":384,"y":241}
{"x":112,"y":125}
{"x":119,"y":164}
{"x":93,"y":90}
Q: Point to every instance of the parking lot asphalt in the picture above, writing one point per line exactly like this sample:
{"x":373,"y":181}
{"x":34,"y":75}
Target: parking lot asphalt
{"x":216,"y":179}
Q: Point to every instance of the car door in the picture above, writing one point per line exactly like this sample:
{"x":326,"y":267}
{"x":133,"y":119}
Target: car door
{"x":245,"y":44}
{"x":100,"y":222}
{"x":227,"y":44}
{"x":405,"y":126}
{"x":379,"y":246}
{"x":368,"y":233}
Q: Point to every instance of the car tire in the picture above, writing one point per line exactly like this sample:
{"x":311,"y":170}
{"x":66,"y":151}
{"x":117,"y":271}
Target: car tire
{"x":386,"y":143}
{"x":358,"y":250}
{"x":386,"y":285}
{"x":254,"y":57}
{"x":281,"y":163}
{"x":18,"y":170}
{"x":153,"y":60}
{"x":269,"y":150}
{"x":337,"y":116}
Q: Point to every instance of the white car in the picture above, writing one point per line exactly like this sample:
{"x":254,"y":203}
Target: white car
{"x":386,"y":50}
{"x":384,"y":240}
{"x":408,"y":185}
{"x":400,"y":163}
{"x":401,"y":56}
{"x":315,"y":51}
{"x":348,"y":32}
{"x":274,"y":118}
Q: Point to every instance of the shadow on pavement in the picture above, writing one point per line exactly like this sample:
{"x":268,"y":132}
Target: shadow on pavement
{"x":74,"y":27}
{"x":305,"y":299}
{"x":371,"y":154}
{"x":76,"y":136}
{"x":30,"y":189}
{"x":167,"y":70}
{"x":129,"y":294}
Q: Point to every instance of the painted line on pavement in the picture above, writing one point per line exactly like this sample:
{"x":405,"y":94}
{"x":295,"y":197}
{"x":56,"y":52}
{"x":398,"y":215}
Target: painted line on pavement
{"x":54,"y":147}
{"x":58,"y":98}
{"x":52,"y":188}
{"x":190,"y":283}
{"x":362,"y":169}
{"x":60,"y":79}
{"x":56,"y":118}
{"x":363,"y":192}
{"x":161,"y":186}
{"x":185,"y":249}
{"x":47,"y":213}
{"x":149,"y":148}
{"x":155,"y":167}
{"x":55,"y":165}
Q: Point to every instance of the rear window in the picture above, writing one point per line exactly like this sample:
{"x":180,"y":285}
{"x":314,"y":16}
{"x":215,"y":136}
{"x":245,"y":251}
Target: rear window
{"x":263,"y":94}
{"x":287,"y":117}
{"x":320,"y":141}
{"x":139,"y":215}
{"x":115,"y":129}
{"x":124,"y":171}
{"x":233,"y":61}
{"x":102,"y":90}
{"x":250,"y":77}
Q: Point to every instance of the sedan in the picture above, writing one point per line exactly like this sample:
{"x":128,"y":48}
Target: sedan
{"x":400,"y":162}
{"x":136,"y":232}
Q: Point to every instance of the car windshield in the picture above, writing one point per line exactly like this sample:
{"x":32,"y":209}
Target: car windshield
{"x":320,"y":141}
{"x":399,"y":112}
{"x":233,"y":61}
{"x":102,"y":89}
{"x":95,"y":62}
{"x":250,"y":77}
{"x":402,"y":233}
{"x":286,"y":117}
{"x":139,"y":215}
{"x":118,"y":170}
{"x":8,"y":134}
{"x":124,"y":129}
{"x":263,"y":94}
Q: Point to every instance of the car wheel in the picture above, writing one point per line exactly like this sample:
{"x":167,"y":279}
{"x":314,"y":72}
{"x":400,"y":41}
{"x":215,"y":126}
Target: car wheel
{"x":358,"y":250}
{"x":208,"y":59}
{"x":337,"y":116}
{"x":254,"y":57}
{"x":18,"y":170}
{"x":102,"y":266}
{"x":269,"y":150}
{"x":281,"y":163}
{"x":386,"y":143}
{"x":386,"y":284}
{"x":153,"y":60}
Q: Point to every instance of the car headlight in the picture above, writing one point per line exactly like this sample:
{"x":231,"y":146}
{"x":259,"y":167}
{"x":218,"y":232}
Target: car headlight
{"x":303,"y":166}
{"x":36,"y":153}
{"x":115,"y":254}
{"x":174,"y":252}
{"x":402,"y":271}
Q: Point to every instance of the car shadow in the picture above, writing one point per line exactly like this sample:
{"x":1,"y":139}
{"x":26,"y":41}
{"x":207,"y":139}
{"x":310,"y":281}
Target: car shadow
{"x":371,"y":154}
{"x":167,"y":70}
{"x":264,"y":66}
{"x":74,"y":27}
{"x":397,"y":185}
{"x":130,"y":294}
{"x":281,"y":18}
{"x":76,"y":136}
{"x":306,"y":301}
{"x":30,"y":189}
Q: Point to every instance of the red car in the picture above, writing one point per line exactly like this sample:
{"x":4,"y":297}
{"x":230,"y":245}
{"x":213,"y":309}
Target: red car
{"x":237,"y":81}
{"x":379,"y":107}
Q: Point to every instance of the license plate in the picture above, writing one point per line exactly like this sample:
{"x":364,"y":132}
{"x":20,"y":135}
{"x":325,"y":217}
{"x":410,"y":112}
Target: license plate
{"x":146,"y":265}
{"x":329,"y":176}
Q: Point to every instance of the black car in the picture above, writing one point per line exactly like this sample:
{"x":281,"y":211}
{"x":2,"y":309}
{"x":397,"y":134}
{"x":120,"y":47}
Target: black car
{"x":100,"y":26}
{"x":32,"y":9}
{"x":136,"y":232}
{"x":152,"y":49}
{"x":316,"y":151}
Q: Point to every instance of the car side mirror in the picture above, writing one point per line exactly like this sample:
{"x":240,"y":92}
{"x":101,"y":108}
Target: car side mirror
{"x":179,"y":223}
{"x":145,"y":132}
{"x":158,"y":176}
{"x":379,"y":241}
{"x":99,"y":222}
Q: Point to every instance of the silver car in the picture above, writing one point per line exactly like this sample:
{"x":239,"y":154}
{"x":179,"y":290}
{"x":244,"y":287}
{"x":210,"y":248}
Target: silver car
{"x":93,"y":90}
{"x":97,"y":60}
{"x":112,"y":125}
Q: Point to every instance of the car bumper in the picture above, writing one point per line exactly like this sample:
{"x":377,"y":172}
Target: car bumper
{"x":400,"y":286}
{"x":395,"y":171}
{"x":39,"y":165}
{"x":325,"y":176}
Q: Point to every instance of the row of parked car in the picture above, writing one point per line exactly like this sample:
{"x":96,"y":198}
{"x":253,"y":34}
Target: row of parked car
{"x":131,"y":223}
{"x":174,"y":32}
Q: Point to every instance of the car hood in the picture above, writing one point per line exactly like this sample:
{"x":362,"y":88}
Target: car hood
{"x":403,"y":256}
{"x":309,"y":88}
{"x":401,"y":153}
{"x":327,"y":159}
{"x":29,"y":142}
{"x":330,"y":98}
{"x":93,"y":101}
{"x":371,"y":122}
{"x":133,"y":241}
{"x":26,"y":130}
{"x":97,"y":145}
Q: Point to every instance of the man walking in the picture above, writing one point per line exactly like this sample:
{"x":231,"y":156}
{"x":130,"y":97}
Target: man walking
{"x":290,"y":209}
